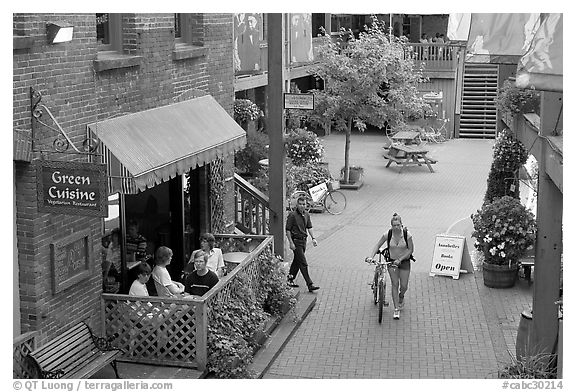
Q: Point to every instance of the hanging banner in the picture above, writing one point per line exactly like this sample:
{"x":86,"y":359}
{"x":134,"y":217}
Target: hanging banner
{"x":450,"y":255}
{"x":248,"y":34}
{"x":301,"y":38}
{"x":500,"y":38}
{"x":541,"y":67}
{"x":74,"y":188}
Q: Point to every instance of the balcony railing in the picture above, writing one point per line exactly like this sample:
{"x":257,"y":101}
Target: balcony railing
{"x":435,"y":56}
{"x":169,"y":331}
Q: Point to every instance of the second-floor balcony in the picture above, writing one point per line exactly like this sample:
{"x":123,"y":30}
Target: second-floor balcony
{"x":433,"y":57}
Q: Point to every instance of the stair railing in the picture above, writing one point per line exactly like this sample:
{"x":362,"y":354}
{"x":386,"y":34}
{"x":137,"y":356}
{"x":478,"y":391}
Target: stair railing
{"x":252,"y":208}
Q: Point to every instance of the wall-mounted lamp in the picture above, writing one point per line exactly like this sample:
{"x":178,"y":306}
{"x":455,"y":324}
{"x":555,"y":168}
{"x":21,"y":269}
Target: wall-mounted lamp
{"x":59,"y":32}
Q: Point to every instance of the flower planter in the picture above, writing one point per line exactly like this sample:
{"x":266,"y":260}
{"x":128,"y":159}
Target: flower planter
{"x":354,"y":175}
{"x":499,"y":276}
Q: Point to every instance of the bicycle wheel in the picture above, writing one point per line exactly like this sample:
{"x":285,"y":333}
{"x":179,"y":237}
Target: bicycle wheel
{"x":380,"y":301}
{"x":335,"y":202}
{"x":375,"y":288}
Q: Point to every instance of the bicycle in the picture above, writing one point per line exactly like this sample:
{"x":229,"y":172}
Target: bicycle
{"x":435,"y":134}
{"x":324,"y":194}
{"x":379,"y":283}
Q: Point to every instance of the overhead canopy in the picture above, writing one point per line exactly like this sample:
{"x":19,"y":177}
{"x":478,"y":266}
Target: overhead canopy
{"x":155,"y":145}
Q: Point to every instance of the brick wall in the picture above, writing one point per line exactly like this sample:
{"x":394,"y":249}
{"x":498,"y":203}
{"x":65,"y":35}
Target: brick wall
{"x":77,"y":96}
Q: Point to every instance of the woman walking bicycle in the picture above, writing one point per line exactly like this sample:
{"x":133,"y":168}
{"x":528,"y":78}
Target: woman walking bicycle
{"x":400,"y":245}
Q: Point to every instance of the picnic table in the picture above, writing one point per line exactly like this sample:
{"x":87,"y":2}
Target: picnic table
{"x":408,"y":155}
{"x":406,"y":137}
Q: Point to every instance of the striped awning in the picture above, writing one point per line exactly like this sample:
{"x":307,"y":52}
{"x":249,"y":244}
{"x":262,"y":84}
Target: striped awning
{"x":146,"y":148}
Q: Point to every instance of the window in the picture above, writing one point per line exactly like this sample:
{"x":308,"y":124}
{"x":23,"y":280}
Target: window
{"x":189,"y":29}
{"x":318,"y":21}
{"x":109,"y":32}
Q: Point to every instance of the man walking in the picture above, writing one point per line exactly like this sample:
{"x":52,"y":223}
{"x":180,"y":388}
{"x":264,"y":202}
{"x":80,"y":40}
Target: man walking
{"x":298,"y":226}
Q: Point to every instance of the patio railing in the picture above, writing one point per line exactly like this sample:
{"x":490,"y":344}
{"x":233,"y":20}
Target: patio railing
{"x":22,"y":346}
{"x":169,"y":331}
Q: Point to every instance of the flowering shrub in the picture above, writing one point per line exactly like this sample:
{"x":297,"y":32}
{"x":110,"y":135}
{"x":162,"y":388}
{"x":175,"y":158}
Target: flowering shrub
{"x":246,"y":110}
{"x":513,"y":100}
{"x":504,"y":230}
{"x":246,"y":160}
{"x":509,"y":155}
{"x":509,"y":152}
{"x":309,"y":173}
{"x":303,"y":147}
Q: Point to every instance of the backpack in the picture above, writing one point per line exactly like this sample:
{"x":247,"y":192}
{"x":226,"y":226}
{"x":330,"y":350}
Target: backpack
{"x":405,"y":240}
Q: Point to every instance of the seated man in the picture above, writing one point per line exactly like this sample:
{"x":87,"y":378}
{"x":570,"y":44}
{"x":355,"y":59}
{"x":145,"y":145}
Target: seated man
{"x":135,"y":242}
{"x":201,"y":280}
{"x":165,"y":286}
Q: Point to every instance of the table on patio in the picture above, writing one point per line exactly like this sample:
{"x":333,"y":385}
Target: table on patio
{"x":406,"y":137}
{"x":408,"y":155}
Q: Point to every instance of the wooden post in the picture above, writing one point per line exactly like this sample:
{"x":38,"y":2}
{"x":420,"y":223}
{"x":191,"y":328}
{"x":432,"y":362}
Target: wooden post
{"x":275,"y":124}
{"x":201,"y":334}
{"x":549,"y":239}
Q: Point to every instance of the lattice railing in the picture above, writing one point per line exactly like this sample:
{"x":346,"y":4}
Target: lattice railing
{"x":22,"y":346}
{"x":154,"y":329}
{"x":250,"y":266}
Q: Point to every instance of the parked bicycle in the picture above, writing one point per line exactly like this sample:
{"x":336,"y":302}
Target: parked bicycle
{"x":325,"y":195}
{"x":435,"y":134}
{"x":380,"y":280}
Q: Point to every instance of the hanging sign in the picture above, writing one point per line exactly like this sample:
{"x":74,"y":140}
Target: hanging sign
{"x":298,"y":101}
{"x":75,"y":188}
{"x":450,"y":255}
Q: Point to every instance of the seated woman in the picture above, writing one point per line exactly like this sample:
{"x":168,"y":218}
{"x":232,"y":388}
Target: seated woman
{"x":164,"y":284}
{"x":202,"y":279}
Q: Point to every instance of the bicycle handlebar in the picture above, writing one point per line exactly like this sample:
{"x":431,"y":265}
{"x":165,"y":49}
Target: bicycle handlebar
{"x":370,"y":260}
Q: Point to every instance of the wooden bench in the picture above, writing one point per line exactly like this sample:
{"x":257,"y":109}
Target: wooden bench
{"x":77,"y":353}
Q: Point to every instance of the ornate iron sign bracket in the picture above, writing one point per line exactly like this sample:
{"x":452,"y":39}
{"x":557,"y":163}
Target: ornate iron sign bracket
{"x":62,"y":141}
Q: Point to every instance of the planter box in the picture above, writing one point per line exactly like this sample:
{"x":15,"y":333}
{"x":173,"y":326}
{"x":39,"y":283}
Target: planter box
{"x":355,"y":185}
{"x":499,"y":276}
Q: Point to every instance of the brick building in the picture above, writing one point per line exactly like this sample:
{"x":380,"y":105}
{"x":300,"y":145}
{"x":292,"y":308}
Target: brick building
{"x":149,"y":95}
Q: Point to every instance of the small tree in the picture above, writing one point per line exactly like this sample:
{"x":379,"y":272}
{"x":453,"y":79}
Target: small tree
{"x":366,"y":80}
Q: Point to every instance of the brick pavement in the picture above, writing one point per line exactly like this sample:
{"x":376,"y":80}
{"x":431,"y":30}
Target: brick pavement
{"x":449,"y":328}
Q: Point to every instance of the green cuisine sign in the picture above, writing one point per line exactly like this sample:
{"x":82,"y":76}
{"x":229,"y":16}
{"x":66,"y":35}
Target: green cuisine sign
{"x":75,"y":188}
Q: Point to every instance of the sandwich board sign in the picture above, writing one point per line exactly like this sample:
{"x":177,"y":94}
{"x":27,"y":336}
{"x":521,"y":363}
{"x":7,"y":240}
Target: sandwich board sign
{"x":451,"y":256}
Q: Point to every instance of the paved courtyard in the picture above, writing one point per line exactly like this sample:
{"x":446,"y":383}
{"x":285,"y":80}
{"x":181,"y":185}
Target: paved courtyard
{"x":449,"y":328}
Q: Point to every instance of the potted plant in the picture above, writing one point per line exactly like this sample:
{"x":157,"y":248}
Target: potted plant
{"x":355,"y":173}
{"x":244,"y":111}
{"x":504,"y":230}
{"x":512,"y":100}
{"x":509,"y":156}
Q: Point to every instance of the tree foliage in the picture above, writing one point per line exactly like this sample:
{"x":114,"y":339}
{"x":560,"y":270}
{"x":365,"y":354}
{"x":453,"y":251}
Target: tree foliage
{"x":367,"y":80}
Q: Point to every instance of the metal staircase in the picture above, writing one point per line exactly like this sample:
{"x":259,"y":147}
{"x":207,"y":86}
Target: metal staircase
{"x":478,"y":113}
